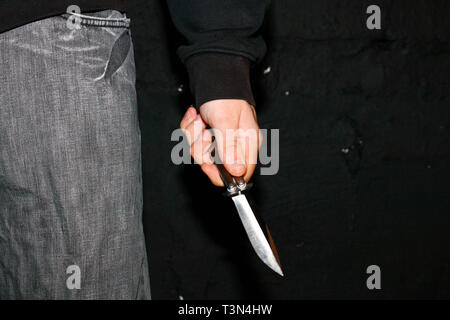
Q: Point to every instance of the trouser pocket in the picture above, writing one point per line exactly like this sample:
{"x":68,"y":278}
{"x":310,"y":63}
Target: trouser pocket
{"x":102,"y":26}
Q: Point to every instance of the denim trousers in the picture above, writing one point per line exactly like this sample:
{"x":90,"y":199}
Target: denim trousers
{"x":70,"y":161}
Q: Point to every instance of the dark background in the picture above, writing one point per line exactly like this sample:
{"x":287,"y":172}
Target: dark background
{"x":384,"y":95}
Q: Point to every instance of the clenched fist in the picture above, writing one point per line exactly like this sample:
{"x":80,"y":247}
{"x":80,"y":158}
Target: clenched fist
{"x":236,"y":131}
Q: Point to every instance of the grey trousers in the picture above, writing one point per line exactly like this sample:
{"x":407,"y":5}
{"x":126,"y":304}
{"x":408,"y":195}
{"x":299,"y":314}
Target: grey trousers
{"x":70,"y":162}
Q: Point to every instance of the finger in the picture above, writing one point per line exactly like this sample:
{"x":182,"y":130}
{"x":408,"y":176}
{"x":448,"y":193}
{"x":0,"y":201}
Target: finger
{"x":194,"y":130}
{"x":230,"y":151}
{"x":200,"y":148}
{"x":235,"y":162}
{"x":188,"y":117}
{"x":213,"y":174}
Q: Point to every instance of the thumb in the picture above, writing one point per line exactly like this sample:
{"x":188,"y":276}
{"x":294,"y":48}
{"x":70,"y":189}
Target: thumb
{"x":223,"y":117}
{"x":230,"y":149}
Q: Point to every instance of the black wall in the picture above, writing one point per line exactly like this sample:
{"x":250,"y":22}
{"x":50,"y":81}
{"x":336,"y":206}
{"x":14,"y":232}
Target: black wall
{"x":384,"y":95}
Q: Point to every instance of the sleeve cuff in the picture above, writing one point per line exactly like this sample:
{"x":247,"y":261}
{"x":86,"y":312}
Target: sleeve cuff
{"x":215,"y":76}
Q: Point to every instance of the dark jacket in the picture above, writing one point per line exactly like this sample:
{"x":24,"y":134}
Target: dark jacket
{"x":222,"y":38}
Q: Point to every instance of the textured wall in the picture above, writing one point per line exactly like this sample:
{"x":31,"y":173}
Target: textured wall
{"x":381,"y":96}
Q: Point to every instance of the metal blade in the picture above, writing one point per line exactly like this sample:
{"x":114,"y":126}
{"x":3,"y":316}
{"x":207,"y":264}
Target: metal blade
{"x":262,"y":243}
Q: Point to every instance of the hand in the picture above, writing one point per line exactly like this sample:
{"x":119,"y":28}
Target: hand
{"x":238,"y":149}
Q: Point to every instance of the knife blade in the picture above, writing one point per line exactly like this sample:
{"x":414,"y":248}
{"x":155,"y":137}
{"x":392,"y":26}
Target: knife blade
{"x":257,"y":230}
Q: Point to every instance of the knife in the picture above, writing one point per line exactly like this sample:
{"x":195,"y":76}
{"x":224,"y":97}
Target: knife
{"x":256,"y":229}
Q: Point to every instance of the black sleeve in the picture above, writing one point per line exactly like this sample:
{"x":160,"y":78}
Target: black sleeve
{"x":222,"y":44}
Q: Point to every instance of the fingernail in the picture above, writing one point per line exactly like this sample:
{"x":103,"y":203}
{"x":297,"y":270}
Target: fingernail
{"x":238,"y":169}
